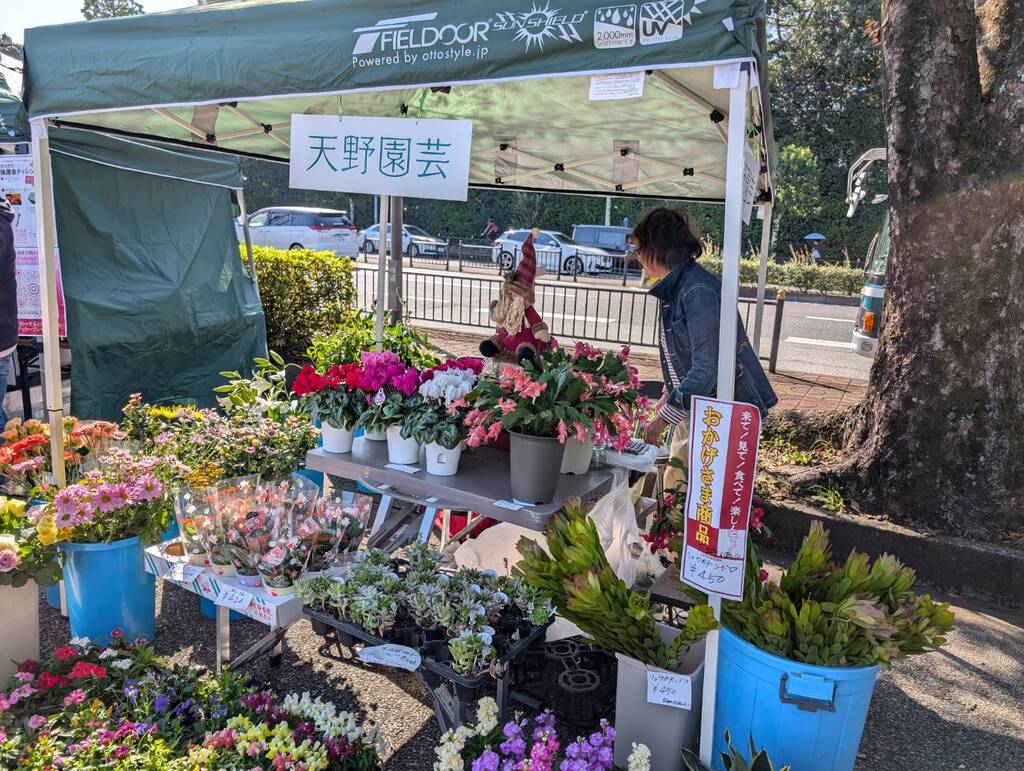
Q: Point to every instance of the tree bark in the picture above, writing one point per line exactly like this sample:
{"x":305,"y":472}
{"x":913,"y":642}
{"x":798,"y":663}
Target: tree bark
{"x":940,"y":435}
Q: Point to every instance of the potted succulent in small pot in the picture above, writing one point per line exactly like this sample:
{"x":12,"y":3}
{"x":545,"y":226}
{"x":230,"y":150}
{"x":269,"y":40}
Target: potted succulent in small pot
{"x":439,"y":423}
{"x":391,"y":394}
{"x":539,"y":410}
{"x":336,"y":399}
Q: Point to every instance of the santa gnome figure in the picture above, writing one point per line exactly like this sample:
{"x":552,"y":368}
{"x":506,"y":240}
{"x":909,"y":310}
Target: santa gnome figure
{"x":521,"y":332}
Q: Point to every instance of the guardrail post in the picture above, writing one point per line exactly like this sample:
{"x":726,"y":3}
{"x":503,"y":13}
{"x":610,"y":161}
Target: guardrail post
{"x":780,"y":304}
{"x":447,"y":254}
{"x":625,"y":267}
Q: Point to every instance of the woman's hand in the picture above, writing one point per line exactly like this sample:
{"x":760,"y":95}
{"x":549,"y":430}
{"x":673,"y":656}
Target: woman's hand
{"x":656,"y":431}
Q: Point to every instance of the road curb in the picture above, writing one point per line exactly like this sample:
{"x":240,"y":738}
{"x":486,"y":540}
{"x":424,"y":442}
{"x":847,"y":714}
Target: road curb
{"x":750,"y":293}
{"x":971,"y":568}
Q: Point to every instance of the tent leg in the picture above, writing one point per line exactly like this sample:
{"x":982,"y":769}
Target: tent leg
{"x":762,"y":276}
{"x":382,"y":268}
{"x":46,"y":234}
{"x":738,"y":96}
{"x":248,"y":240}
{"x":395,"y":299}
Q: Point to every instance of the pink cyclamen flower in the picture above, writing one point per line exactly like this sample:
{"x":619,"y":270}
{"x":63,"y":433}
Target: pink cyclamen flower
{"x":9,"y":560}
{"x":36,"y":722}
{"x":77,"y":696}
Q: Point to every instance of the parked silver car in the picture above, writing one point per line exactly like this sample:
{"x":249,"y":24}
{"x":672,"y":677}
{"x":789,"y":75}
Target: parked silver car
{"x":556,"y":252}
{"x":302,"y":227}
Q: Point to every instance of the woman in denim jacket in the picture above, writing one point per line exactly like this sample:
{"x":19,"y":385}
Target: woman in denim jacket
{"x":690,"y":302}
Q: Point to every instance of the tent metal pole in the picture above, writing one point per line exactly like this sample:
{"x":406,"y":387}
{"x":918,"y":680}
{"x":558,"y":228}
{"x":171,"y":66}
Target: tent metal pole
{"x":762,"y":276}
{"x":395,"y":299}
{"x":46,"y":235}
{"x":248,"y":240}
{"x":726,"y":353}
{"x":382,"y":269}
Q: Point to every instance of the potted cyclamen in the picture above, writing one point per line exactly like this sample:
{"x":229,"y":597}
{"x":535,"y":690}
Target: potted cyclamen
{"x":611,"y":401}
{"x":335,"y":399}
{"x":390,"y":389}
{"x":105,"y":522}
{"x":439,"y":423}
{"x":539,"y":410}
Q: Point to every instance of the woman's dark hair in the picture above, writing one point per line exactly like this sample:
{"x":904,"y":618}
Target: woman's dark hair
{"x":667,"y":237}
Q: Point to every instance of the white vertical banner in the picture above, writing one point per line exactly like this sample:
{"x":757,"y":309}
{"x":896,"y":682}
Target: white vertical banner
{"x":419,"y":158}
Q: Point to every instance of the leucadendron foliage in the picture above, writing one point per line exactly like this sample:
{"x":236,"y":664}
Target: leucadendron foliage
{"x":586,"y":591}
{"x":859,"y":613}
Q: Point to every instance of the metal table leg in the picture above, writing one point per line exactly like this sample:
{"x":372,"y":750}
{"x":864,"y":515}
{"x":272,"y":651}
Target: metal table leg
{"x":223,"y":637}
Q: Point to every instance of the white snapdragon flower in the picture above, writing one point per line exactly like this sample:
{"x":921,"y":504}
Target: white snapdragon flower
{"x":486,"y":715}
{"x":81,"y":642}
{"x":122,"y":664}
{"x":108,"y":653}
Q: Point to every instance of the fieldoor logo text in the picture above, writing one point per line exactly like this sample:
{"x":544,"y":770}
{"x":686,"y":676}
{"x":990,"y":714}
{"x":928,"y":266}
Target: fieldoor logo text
{"x":405,"y":40}
{"x":663,"y":21}
{"x":615,"y":26}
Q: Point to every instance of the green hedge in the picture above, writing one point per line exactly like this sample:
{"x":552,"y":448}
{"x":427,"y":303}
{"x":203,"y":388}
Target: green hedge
{"x":304,"y":294}
{"x":836,"y":279}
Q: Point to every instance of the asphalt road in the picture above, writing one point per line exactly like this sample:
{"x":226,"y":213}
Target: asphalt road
{"x":814,"y":339}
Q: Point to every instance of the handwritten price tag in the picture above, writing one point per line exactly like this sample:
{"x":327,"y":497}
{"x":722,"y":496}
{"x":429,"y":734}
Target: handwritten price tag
{"x":182,"y":572}
{"x":391,"y":656}
{"x":234,"y":598}
{"x":669,"y":689}
{"x":402,"y":467}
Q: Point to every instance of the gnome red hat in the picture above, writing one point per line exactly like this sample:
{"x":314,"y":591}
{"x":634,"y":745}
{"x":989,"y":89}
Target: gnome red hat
{"x":526,"y":272}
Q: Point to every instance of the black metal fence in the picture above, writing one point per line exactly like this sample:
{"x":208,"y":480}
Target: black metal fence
{"x":612,"y":314}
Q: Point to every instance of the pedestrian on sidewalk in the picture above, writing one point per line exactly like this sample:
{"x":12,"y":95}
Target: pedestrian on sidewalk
{"x":690,"y":302}
{"x":8,"y":304}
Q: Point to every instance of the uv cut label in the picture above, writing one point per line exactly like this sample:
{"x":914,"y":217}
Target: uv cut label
{"x":663,"y":21}
{"x":615,"y":26}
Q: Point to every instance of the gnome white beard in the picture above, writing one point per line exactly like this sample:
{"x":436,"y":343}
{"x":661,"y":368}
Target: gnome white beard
{"x":509,"y":311}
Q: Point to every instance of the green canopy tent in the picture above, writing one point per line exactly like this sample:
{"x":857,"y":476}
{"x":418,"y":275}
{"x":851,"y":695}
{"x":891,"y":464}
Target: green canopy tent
{"x":13,"y":118}
{"x":526,"y":72}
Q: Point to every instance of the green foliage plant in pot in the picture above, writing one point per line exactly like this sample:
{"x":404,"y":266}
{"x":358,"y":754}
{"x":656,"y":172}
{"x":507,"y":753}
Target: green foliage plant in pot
{"x":575,"y":573}
{"x":336,"y":399}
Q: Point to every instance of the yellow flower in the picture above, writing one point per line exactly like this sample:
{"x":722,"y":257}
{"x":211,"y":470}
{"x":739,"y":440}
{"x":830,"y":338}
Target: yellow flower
{"x":12,"y":506}
{"x":8,"y":543}
{"x":46,"y":530}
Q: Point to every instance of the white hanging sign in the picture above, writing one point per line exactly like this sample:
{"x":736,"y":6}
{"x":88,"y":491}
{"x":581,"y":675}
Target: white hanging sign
{"x":182,"y":572}
{"x":669,"y":689}
{"x":392,"y":656}
{"x":619,"y":85}
{"x":419,"y":158}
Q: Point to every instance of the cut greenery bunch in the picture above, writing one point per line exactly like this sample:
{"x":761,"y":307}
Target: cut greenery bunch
{"x":859,"y":613}
{"x":357,"y":333}
{"x":586,"y":591}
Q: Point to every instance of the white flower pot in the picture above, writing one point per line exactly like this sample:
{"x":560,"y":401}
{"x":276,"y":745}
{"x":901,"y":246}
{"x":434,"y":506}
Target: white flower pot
{"x":441,"y":461}
{"x":374,"y":436}
{"x":577,"y":456}
{"x":223,"y":570}
{"x":19,"y":626}
{"x":400,"y":449}
{"x":337,"y":440}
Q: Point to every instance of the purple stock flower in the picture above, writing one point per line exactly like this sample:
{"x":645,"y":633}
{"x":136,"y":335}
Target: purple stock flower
{"x":161,"y":703}
{"x":487,"y":762}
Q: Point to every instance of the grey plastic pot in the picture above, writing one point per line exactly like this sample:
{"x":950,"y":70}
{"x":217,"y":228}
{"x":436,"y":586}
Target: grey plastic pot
{"x":536,"y":462}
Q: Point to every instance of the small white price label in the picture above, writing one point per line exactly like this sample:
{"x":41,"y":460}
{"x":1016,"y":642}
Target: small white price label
{"x":431,"y":499}
{"x":379,"y":398}
{"x":182,"y":572}
{"x":391,"y":656}
{"x":233,"y":597}
{"x":402,"y":467}
{"x":510,"y":505}
{"x":669,"y":689}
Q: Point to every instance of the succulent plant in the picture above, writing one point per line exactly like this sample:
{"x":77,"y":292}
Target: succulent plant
{"x":859,"y":613}
{"x":471,"y":652}
{"x":734,"y":760}
{"x":340,"y":596}
{"x":577,"y":577}
{"x":422,"y":603}
{"x":540,"y":611}
{"x":314,"y":592}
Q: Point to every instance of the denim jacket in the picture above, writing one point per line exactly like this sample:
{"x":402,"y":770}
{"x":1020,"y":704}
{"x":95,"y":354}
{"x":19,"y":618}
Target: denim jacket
{"x":691,"y":299}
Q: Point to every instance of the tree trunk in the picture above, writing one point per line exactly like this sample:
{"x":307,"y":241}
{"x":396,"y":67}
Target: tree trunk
{"x":940,"y":436}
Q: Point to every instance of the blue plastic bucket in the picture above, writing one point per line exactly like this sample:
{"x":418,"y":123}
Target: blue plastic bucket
{"x":53,"y":595}
{"x":107,"y":587}
{"x":210,"y":610}
{"x":807,"y":716}
{"x":172,"y":531}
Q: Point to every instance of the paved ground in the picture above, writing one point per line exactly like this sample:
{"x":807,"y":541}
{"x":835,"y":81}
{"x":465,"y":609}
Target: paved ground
{"x":814,"y":339}
{"x":959,"y":708}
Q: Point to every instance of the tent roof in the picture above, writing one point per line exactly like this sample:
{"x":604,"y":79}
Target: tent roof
{"x":13,"y":118}
{"x":230,"y":75}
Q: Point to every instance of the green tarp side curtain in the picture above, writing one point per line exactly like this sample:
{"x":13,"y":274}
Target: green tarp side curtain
{"x":156,"y":296}
{"x":231,"y":75}
{"x":13,"y":118}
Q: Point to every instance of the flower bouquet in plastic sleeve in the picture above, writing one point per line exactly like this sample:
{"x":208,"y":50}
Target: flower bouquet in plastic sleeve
{"x":247,"y":524}
{"x":196,"y":524}
{"x":290,"y":505}
{"x":334,"y":529}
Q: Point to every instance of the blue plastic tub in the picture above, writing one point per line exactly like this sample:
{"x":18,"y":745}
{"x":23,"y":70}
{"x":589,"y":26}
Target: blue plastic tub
{"x":107,"y":587}
{"x":210,"y":610}
{"x":172,"y":531}
{"x":53,"y":595}
{"x":809,"y":717}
